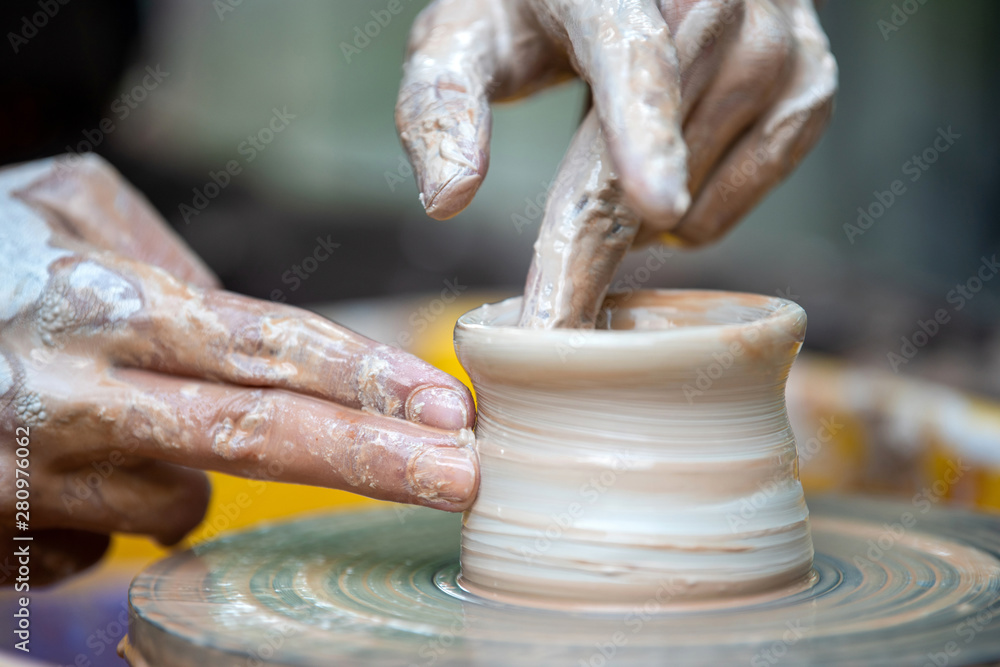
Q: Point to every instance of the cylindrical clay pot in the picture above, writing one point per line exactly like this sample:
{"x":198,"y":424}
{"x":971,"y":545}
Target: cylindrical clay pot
{"x":649,"y":458}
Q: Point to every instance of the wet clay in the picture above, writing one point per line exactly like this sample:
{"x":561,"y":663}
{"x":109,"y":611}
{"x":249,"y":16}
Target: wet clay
{"x":655,"y":449}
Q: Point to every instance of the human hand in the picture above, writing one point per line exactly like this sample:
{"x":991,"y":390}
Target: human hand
{"x":126,"y":369}
{"x":700,"y":107}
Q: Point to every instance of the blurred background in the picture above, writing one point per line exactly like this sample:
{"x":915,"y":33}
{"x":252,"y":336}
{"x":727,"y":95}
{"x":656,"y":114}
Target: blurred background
{"x":172,"y":92}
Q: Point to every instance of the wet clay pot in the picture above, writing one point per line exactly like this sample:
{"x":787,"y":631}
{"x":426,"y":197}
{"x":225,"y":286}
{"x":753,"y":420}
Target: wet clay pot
{"x":651,"y":457}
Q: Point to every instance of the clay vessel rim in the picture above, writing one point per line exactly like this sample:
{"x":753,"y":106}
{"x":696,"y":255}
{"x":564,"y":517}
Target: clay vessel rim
{"x":776,"y":315}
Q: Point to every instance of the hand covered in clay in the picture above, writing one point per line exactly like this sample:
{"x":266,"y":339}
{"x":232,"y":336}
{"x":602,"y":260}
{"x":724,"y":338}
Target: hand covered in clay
{"x":699,"y":108}
{"x":123,"y":368}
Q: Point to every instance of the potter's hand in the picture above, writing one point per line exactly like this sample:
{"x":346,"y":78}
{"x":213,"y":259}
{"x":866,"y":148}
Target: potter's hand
{"x":705,"y":105}
{"x":124,"y":366}
{"x":684,"y":90}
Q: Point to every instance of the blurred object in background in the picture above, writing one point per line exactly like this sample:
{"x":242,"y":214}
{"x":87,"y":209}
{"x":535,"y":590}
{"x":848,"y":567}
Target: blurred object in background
{"x":862,"y":430}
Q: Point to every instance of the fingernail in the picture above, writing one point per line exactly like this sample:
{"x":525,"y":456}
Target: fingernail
{"x":439,"y":407}
{"x":448,"y":186}
{"x":444,"y":474}
{"x":452,"y":199}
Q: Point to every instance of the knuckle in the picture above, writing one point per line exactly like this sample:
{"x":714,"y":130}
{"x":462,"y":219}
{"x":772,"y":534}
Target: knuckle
{"x":91,"y":164}
{"x":84,"y":298}
{"x":366,"y":465}
{"x":378,"y":391}
{"x":243,"y":431}
{"x":770,"y":38}
{"x":829,"y":79}
{"x":778,"y":50}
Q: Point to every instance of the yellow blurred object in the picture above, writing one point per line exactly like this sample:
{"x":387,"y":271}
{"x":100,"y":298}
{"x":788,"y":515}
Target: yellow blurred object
{"x":862,"y":430}
{"x":435,"y":345}
{"x":237,"y":503}
{"x":671,"y":240}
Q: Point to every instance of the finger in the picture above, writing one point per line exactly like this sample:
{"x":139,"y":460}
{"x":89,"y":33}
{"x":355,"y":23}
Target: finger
{"x":442,"y":114}
{"x":775,"y":145}
{"x":704,"y":32}
{"x":55,"y":555}
{"x":585,"y":234}
{"x":152,"y":498}
{"x":174,"y":328}
{"x":462,"y":54}
{"x":580,"y":248}
{"x":93,"y":202}
{"x":747,"y":82}
{"x":625,"y":52}
{"x":279,"y":435}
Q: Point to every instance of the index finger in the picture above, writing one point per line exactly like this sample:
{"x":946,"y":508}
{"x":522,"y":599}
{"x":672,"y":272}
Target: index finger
{"x":585,"y":234}
{"x":178,"y":329}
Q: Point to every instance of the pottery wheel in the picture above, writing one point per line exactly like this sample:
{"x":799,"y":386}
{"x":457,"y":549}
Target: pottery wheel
{"x":381,"y":588}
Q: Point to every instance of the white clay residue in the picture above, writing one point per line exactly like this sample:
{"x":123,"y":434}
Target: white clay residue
{"x":6,"y":376}
{"x":29,"y":409}
{"x":246,"y":436}
{"x":373,"y":394}
{"x":118,"y":298}
{"x":24,"y":245}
